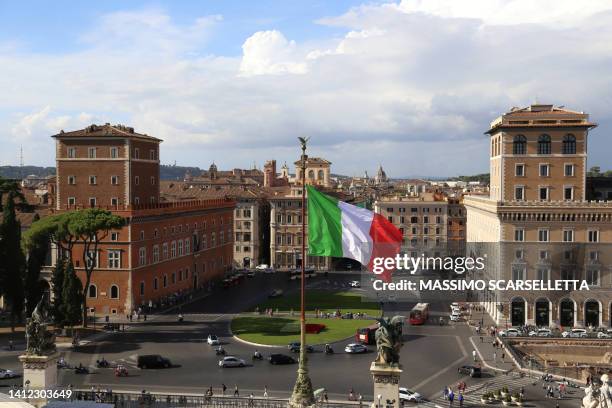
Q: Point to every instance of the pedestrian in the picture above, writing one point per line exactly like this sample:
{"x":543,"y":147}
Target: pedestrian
{"x":11,"y":345}
{"x":474,"y":355}
{"x":223,"y":389}
{"x":495,"y":357}
{"x":265,"y":391}
{"x":451,"y":398}
{"x":145,"y":317}
{"x":360,"y":399}
{"x":325,"y":397}
{"x":461,"y":399}
{"x":445,"y":393}
{"x":236,"y":393}
{"x":503,"y":357}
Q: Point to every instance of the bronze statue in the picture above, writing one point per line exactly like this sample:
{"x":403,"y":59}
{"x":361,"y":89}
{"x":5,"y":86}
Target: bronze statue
{"x":39,"y":340}
{"x":389,"y":340}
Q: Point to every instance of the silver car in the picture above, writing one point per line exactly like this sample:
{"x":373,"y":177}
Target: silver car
{"x":231,"y":361}
{"x":4,"y":373}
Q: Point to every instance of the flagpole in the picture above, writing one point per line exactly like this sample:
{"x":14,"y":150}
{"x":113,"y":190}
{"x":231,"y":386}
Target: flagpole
{"x":302,"y":390}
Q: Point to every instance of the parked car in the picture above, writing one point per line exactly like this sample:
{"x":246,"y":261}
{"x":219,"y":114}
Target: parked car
{"x":355,"y":348}
{"x":355,"y":284}
{"x":295,"y":347}
{"x":471,"y":370}
{"x":540,"y":333}
{"x":575,"y":333}
{"x":231,"y":361}
{"x":262,"y":266}
{"x":455,"y":317}
{"x":510,"y":333}
{"x":212,"y":340}
{"x":605,"y":334}
{"x":281,"y":359}
{"x":408,"y":395}
{"x":4,"y":373}
{"x":153,"y":361}
{"x":275,"y":293}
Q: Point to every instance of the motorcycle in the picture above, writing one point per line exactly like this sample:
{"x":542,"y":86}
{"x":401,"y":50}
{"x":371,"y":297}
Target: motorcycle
{"x":257,"y":356}
{"x":102,"y":363}
{"x":329,"y":349}
{"x":121,"y":371}
{"x":81,"y":370}
{"x":220,"y":351}
{"x":180,"y":318}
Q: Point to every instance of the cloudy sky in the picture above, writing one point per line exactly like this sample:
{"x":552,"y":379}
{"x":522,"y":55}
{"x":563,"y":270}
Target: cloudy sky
{"x":412,"y":85}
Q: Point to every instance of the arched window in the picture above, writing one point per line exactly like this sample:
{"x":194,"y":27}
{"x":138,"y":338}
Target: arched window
{"x":320,"y":176}
{"x":569,"y":144}
{"x":519,"y":145}
{"x":92,"y":292}
{"x":311,"y":174}
{"x":544,"y":144}
{"x":114,"y":292}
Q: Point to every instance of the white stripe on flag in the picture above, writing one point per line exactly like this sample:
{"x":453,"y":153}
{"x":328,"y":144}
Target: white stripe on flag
{"x":356,"y":239}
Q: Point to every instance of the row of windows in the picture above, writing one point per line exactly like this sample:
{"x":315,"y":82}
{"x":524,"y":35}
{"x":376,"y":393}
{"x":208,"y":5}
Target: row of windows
{"x":92,"y":153}
{"x":543,"y":193}
{"x":243,"y":237}
{"x":178,"y":229}
{"x":544,"y":170}
{"x":244,"y":212}
{"x":289,"y":239}
{"x":181,"y":247}
{"x":92,"y":291}
{"x":288,"y":219}
{"x":425,"y":210}
{"x":519,"y":145}
{"x":544,"y":235}
{"x":415,"y":220}
{"x":426,"y":230}
{"x":114,"y":180}
{"x":592,"y":275}
{"x":114,"y":201}
{"x":544,"y":255}
{"x":414,"y":242}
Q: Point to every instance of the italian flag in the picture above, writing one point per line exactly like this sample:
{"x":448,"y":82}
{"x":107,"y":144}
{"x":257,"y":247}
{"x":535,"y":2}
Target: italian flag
{"x":342,"y":230}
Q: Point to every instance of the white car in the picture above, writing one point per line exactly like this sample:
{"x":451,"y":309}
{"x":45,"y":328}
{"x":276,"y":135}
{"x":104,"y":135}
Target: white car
{"x":212,"y":340}
{"x":510,"y":333}
{"x":355,"y":284}
{"x":355,"y":348}
{"x":262,"y":266}
{"x":455,"y":310}
{"x":575,"y":333}
{"x":540,"y":333}
{"x":407,"y":395}
{"x":231,"y":361}
{"x":605,"y":334}
{"x":455,"y":317}
{"x":7,"y":373}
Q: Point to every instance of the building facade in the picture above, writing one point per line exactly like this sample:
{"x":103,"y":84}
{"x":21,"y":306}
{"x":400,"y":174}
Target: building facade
{"x":536,"y":223}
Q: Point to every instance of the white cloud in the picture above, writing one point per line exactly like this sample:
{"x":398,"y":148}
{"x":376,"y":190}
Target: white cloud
{"x":411,"y":85}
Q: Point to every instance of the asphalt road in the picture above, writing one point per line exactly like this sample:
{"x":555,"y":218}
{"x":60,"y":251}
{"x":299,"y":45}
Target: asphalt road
{"x":430,"y":355}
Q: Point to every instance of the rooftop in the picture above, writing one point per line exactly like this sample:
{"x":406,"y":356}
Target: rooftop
{"x":107,"y":129}
{"x":541,"y":115}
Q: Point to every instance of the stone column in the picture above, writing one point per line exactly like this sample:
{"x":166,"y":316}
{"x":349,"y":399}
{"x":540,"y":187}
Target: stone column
{"x":386,"y":385}
{"x":40,"y":371}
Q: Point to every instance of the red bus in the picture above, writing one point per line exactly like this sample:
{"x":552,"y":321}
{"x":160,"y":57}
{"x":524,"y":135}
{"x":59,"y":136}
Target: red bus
{"x":366,"y":335}
{"x":419,"y":313}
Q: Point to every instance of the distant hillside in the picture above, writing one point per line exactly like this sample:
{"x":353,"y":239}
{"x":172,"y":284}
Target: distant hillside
{"x":167,"y":172}
{"x":483,"y":178}
{"x":17,"y":172}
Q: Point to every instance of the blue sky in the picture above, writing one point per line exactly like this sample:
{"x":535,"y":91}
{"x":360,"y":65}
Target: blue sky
{"x":410,"y":84}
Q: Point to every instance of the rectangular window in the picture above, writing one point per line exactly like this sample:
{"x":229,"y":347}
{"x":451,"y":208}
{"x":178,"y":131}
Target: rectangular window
{"x":543,"y":274}
{"x":543,"y":193}
{"x":425,"y":220}
{"x":519,"y":193}
{"x":72,"y":152}
{"x":519,"y":170}
{"x":92,"y":258}
{"x":390,"y":219}
{"x":173,"y":249}
{"x":593,"y":235}
{"x":592,"y":277}
{"x":152,"y":180}
{"x":519,"y":235}
{"x":142,"y":256}
{"x":518,"y":272}
{"x":544,"y":170}
{"x":136,"y":180}
{"x":91,"y":152}
{"x":72,"y":180}
{"x":142,"y":288}
{"x":92,"y":201}
{"x":155,"y":253}
{"x":93,"y":180}
{"x":115,"y":180}
{"x":594,"y":255}
{"x":165,"y":250}
{"x":114,"y":201}
{"x":137,"y":153}
{"x":568,"y":193}
{"x":114,"y":152}
{"x":567,"y":274}
{"x":114,"y":236}
{"x":569,"y":170}
{"x":187,"y":246}
{"x":543,"y":235}
{"x":152,"y":154}
{"x":568,"y":235}
{"x":114,"y":259}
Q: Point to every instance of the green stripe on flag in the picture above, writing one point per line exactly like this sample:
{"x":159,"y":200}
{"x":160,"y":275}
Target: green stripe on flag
{"x":324,"y":224}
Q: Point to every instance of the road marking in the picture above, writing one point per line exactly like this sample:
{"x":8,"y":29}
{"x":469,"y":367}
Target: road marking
{"x":438,"y":374}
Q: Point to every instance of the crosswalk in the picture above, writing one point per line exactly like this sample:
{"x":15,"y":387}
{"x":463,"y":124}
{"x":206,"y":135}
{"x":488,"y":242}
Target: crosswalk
{"x":475,"y":391}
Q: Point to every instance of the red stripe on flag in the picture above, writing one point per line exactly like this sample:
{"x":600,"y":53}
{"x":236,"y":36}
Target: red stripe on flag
{"x":386,"y":240}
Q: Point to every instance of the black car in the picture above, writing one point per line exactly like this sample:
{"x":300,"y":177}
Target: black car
{"x":472,"y":371}
{"x":281,"y":359}
{"x":153,"y":361}
{"x":295,"y":347}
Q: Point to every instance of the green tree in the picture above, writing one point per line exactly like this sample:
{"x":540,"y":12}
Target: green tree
{"x":57,"y":287}
{"x":13,"y":261}
{"x":71,"y":297}
{"x":36,"y":253}
{"x":594,"y":171}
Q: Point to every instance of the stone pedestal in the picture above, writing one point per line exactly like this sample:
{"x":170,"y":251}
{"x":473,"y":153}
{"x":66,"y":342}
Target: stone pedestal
{"x":40,"y":371}
{"x":386,"y":385}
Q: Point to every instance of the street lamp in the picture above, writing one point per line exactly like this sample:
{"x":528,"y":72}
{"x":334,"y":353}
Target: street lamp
{"x":302,"y":390}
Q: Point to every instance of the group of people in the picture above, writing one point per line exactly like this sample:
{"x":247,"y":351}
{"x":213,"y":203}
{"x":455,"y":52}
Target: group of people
{"x":449,"y":395}
{"x":553,"y":391}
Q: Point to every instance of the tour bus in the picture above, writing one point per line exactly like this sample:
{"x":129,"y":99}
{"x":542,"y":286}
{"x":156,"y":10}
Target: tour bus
{"x":419,"y":313}
{"x":366,"y":335}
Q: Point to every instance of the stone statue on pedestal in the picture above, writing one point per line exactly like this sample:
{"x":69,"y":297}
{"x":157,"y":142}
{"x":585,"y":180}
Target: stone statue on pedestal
{"x":389,"y":340}
{"x":40,"y":341}
{"x":386,"y":369}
